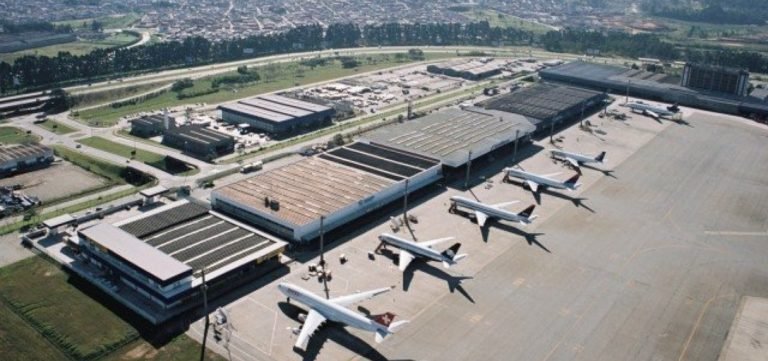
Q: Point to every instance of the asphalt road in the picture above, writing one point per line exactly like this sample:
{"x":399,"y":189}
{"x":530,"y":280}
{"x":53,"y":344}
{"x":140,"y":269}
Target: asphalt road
{"x":656,"y":273}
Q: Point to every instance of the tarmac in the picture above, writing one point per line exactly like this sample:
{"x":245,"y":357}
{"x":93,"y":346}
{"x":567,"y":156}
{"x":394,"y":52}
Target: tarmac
{"x":648,"y":260}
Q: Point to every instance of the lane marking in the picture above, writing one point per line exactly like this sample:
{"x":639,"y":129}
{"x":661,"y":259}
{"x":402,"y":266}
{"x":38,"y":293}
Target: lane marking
{"x":736,"y":233}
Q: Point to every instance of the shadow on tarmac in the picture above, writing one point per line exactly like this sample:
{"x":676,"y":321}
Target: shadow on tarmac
{"x":454,"y":282}
{"x":329,"y":331}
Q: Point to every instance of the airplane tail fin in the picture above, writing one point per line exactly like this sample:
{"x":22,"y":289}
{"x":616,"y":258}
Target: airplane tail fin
{"x":571,"y":182}
{"x":450,"y":253}
{"x":600,"y":157}
{"x":456,"y":259}
{"x":527,"y":212}
{"x":384,"y":319}
{"x":392,"y":329}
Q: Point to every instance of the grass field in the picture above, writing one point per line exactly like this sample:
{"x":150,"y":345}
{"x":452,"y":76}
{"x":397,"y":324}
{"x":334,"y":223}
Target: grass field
{"x":110,"y":95}
{"x":502,"y":20}
{"x":144,"y":156}
{"x":13,"y":135}
{"x":56,"y":127}
{"x":39,"y":293}
{"x":43,"y":316}
{"x":106,"y":169}
{"x":284,"y":76}
{"x":79,"y":47}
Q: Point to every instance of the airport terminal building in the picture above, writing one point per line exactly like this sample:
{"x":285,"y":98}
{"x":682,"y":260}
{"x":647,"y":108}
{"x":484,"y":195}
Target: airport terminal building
{"x":276,"y":114}
{"x":154,"y":262}
{"x":719,"y":93}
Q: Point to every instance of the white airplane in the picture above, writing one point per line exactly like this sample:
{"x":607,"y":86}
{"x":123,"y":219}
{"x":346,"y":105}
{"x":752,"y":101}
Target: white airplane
{"x":484,"y":211}
{"x":410,"y":250}
{"x":335,"y":310}
{"x":575,"y":159}
{"x":535,"y":181}
{"x":650,"y":110}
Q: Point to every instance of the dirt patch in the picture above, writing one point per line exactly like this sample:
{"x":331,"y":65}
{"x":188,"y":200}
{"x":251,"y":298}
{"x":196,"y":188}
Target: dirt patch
{"x":59,"y":180}
{"x":141,"y":352}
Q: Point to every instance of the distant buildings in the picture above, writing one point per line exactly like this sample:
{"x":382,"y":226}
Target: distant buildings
{"x":710,"y":89}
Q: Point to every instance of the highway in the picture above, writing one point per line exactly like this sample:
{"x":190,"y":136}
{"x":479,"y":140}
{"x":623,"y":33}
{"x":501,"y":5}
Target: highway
{"x":208,"y":70}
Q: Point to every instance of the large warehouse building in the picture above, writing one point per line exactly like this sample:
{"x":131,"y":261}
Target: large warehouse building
{"x":545,"y":105}
{"x":276,"y":114}
{"x":345,"y":183}
{"x":199,"y":141}
{"x":340,"y":185}
{"x":157,"y":258}
{"x":454,"y":136}
{"x":23,"y":157}
{"x":653,"y":86}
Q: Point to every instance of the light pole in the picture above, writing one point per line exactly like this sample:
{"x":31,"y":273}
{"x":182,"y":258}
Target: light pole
{"x":469,"y":165}
{"x":322,"y":242}
{"x":204,"y":288}
{"x":517,"y":139}
{"x":405,"y":204}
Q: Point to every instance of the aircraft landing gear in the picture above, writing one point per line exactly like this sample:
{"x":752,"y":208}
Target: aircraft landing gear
{"x":288,"y":300}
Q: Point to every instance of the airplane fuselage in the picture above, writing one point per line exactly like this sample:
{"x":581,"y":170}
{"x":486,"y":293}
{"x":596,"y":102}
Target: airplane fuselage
{"x":459,"y":201}
{"x":581,"y":158}
{"x":329,"y":310}
{"x":542,"y":181}
{"x":413,"y":247}
{"x":649,"y":108}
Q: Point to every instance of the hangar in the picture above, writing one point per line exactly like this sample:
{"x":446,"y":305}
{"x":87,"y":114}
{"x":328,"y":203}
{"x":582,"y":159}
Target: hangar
{"x":338,"y":186}
{"x":276,"y":114}
{"x":545,"y":105}
{"x":158,"y":257}
{"x":453,"y":136}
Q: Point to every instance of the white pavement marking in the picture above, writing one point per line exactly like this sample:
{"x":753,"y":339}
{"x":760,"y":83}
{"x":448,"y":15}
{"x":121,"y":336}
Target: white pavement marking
{"x":736,"y":233}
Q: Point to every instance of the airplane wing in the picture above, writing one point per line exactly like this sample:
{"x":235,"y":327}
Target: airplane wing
{"x":550,"y":175}
{"x":504,"y":204}
{"x":313,"y":321}
{"x":481,"y":218}
{"x":573,"y":162}
{"x":405,"y":258}
{"x":433,"y":242}
{"x":354,"y":298}
{"x":533,"y":185}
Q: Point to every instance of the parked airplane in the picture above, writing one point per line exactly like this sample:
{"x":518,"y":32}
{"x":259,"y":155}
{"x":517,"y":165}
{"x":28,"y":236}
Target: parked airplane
{"x":410,"y":250}
{"x":484,"y":211}
{"x":535,"y":181}
{"x":575,"y":159}
{"x":650,"y":110}
{"x":335,"y":310}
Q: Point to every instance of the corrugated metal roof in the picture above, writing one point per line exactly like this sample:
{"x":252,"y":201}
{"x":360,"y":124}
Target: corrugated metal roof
{"x":135,"y":251}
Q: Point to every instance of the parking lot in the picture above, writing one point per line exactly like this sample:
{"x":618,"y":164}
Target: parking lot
{"x":596,"y":262}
